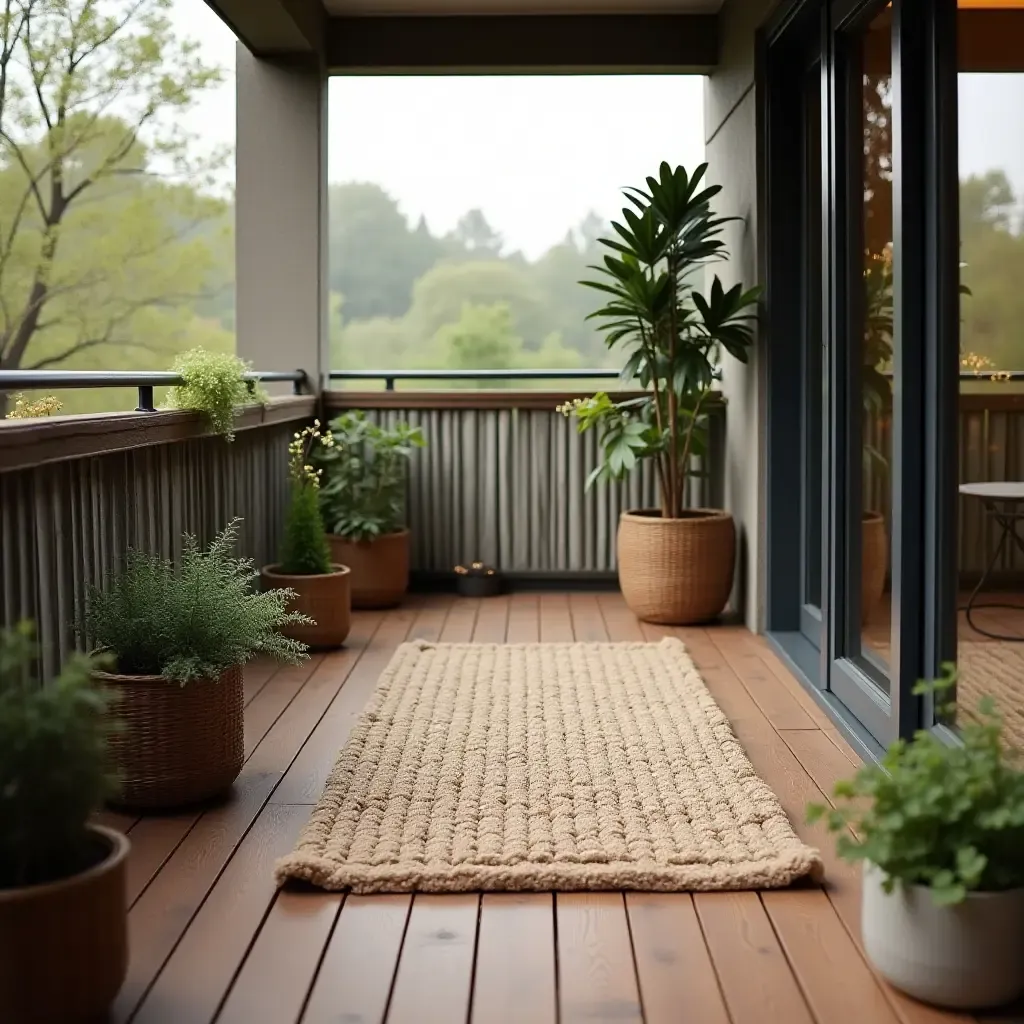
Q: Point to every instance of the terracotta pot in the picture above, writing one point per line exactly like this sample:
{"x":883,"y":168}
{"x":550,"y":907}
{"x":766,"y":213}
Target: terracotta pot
{"x":326,"y":598}
{"x":380,"y":568}
{"x":179,"y":744}
{"x":676,"y":571}
{"x":969,"y":956}
{"x":874,"y":564}
{"x":65,"y":943}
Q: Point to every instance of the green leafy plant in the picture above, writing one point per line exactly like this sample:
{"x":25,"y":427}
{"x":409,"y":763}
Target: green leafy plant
{"x":946,"y":816}
{"x":192,"y":620}
{"x":362,"y":490}
{"x":305,"y":551}
{"x":214,"y":384}
{"x":54,"y":770}
{"x":671,"y":333}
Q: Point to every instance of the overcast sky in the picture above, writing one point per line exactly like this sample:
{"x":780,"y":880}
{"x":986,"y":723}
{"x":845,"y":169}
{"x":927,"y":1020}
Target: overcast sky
{"x":536,"y":154}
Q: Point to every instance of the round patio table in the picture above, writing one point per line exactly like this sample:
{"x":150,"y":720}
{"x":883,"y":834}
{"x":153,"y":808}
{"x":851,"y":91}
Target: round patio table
{"x":1002,"y":500}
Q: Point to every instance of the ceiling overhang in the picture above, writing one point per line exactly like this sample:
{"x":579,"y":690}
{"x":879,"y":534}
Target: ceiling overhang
{"x":588,"y":36}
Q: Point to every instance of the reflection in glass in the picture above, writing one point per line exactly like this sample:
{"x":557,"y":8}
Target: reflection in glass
{"x":876,"y":306}
{"x":991,"y":415}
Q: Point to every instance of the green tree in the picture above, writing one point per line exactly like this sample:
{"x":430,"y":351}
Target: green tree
{"x":483,"y":338}
{"x":477,"y":237}
{"x":93,"y":243}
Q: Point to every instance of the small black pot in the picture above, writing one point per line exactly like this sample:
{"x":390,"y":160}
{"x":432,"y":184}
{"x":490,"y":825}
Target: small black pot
{"x":478,"y":584}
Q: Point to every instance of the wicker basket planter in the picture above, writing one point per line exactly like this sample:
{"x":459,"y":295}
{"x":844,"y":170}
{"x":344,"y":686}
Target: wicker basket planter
{"x":179,"y":744}
{"x":326,"y":598}
{"x":874,"y":564}
{"x":676,"y":571}
{"x":379,"y":567}
{"x":65,"y":944}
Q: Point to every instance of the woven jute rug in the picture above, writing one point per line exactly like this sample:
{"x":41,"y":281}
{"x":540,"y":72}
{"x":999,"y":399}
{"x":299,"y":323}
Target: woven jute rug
{"x":545,"y":767}
{"x":993,"y":669}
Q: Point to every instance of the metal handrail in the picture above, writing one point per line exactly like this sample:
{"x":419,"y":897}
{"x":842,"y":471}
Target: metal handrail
{"x":23,"y":380}
{"x":390,"y":376}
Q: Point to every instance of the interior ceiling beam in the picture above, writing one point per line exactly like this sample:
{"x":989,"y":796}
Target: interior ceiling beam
{"x":270,"y":27}
{"x":522,"y":44}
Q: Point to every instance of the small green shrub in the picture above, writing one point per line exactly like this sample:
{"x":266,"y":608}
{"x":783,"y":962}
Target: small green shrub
{"x":362,"y":492}
{"x":192,"y":620}
{"x":305,"y":551}
{"x":214,"y":386}
{"x":950,"y":817}
{"x":54,"y":771}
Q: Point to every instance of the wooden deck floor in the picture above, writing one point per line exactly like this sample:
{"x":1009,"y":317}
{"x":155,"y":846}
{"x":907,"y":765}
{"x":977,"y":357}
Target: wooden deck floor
{"x":211,"y":938}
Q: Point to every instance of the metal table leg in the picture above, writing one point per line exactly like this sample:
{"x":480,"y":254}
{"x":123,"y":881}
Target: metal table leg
{"x":1007,"y":521}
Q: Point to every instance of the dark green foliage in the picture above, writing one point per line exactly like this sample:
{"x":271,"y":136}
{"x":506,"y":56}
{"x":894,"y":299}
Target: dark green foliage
{"x":191,"y":620}
{"x":670,"y":333}
{"x":305,"y":551}
{"x":946,"y":816}
{"x":362,"y":490}
{"x":54,"y":771}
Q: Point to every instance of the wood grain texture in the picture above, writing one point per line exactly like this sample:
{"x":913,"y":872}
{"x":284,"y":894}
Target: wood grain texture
{"x":523,"y":619}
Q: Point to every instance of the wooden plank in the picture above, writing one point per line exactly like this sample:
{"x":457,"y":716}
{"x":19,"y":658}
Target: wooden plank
{"x":430,"y":621}
{"x":458,"y":628}
{"x":492,"y":621}
{"x":277,"y":974}
{"x":435,"y":970}
{"x":523,"y":619}
{"x":756,"y":981}
{"x":274,"y":697}
{"x":358,"y":969}
{"x":515,"y":960}
{"x":304,"y":780}
{"x":199,"y":972}
{"x":555,"y":619}
{"x":587,"y":620}
{"x":678,"y":984}
{"x":256,"y":675}
{"x":119,"y":821}
{"x":154,"y":840}
{"x":596,"y":977}
{"x":836,"y":982}
{"x":821,"y":758}
{"x":165,"y":909}
{"x":620,"y":622}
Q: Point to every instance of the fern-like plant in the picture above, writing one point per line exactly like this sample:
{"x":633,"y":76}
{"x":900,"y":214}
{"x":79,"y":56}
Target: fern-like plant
{"x":214,"y":385}
{"x":305,"y":551}
{"x":192,"y":620}
{"x":54,"y":770}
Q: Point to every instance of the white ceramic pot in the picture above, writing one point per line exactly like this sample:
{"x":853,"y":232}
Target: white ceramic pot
{"x":967,"y":957}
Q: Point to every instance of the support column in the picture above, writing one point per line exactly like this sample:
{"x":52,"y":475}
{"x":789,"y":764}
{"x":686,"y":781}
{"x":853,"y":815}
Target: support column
{"x":281,"y":215}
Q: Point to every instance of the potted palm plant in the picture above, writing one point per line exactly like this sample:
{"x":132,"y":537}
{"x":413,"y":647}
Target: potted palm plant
{"x":178,"y":636}
{"x":321,"y":587}
{"x":362,"y":495}
{"x":63,"y":903}
{"x":939,"y":828}
{"x":675,"y":563}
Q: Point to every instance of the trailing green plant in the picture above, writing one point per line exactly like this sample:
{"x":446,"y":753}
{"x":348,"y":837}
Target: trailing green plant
{"x":214,"y":385}
{"x":670,"y":333}
{"x":54,"y":771}
{"x":362,"y":490}
{"x":946,"y":816}
{"x":305,"y":551}
{"x":190,"y":620}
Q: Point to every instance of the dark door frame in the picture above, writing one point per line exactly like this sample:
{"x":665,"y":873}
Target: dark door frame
{"x":925,"y":295}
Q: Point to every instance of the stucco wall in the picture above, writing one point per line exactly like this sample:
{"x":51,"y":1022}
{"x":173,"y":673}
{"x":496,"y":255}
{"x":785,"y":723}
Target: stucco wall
{"x":729,"y":118}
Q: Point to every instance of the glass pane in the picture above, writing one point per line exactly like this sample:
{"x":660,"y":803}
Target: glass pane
{"x":991,"y":415}
{"x":876,"y":338}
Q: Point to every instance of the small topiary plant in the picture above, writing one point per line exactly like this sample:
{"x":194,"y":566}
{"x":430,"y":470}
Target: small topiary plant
{"x":54,"y":771}
{"x":950,"y":817}
{"x":214,"y":385}
{"x":305,"y":551}
{"x":192,"y":620}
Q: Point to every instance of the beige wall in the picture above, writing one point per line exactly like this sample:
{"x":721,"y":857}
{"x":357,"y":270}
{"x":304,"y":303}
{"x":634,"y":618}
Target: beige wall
{"x":729,"y":118}
{"x":281,"y":214}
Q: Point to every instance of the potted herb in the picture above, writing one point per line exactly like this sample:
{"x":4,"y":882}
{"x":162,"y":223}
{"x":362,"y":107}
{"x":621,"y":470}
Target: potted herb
{"x":940,"y":830}
{"x":362,"y":495}
{"x":675,"y":563}
{"x":478,"y":580}
{"x":214,"y":384}
{"x":321,"y":587}
{"x":178,"y":635}
{"x":63,"y":904}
